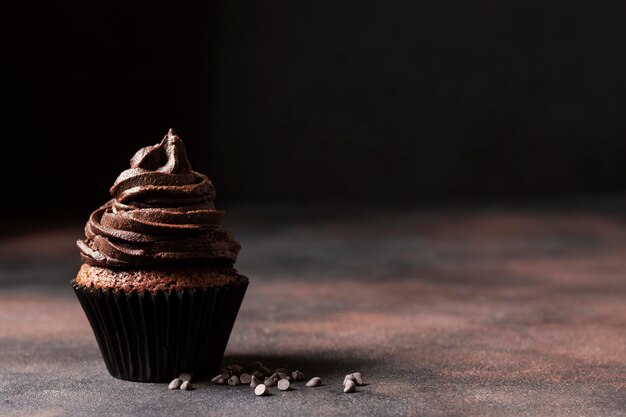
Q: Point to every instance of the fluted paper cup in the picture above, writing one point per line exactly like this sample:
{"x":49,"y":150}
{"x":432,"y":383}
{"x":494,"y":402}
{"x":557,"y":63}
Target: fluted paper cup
{"x":154,"y":336}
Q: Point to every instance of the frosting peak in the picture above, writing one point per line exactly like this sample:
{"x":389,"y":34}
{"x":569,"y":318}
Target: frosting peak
{"x":162,"y":213}
{"x":168,"y":156}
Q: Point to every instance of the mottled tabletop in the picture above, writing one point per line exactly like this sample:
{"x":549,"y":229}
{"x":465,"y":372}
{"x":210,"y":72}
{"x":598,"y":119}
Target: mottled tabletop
{"x":454,"y":311}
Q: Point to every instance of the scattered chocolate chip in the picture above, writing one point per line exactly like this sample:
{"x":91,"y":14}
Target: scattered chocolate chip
{"x":218,"y":379}
{"x":275,"y":377}
{"x":186,"y":385}
{"x":347,"y":378}
{"x":255,"y":372}
{"x":282,"y":375}
{"x":349,"y":386}
{"x":283,"y":384}
{"x":254,"y":381}
{"x":245,"y":378}
{"x":260,"y":390}
{"x":314,"y":382}
{"x":175,"y":384}
{"x":185,"y":376}
{"x":297,"y":375}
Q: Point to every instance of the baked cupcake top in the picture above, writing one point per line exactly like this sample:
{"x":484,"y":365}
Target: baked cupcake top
{"x":161,"y":214}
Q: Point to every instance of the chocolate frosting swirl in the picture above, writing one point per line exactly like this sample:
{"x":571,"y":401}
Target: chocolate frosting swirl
{"x":162,"y":213}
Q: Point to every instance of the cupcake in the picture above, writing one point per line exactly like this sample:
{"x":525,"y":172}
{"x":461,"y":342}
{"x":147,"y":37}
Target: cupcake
{"x":157,"y":283}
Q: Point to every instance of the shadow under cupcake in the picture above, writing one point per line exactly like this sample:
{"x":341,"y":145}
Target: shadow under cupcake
{"x":158,"y":284}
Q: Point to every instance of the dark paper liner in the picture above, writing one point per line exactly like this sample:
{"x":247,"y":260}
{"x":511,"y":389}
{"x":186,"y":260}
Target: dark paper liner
{"x":153,"y":337}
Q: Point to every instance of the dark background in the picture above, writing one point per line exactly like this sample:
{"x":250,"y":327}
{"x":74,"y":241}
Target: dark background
{"x":360,"y":101}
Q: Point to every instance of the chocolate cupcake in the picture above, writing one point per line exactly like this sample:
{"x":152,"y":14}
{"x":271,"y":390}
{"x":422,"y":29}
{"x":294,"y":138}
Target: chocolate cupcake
{"x":158,"y":284}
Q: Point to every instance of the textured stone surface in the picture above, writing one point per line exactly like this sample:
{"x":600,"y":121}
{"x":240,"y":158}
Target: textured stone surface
{"x":450,"y":312}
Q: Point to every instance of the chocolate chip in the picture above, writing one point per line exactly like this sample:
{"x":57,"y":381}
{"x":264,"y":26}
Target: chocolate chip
{"x":258,"y":374}
{"x":269,"y":382}
{"x":314,"y":382}
{"x":358,"y":378}
{"x":260,"y":390}
{"x":281,"y":370}
{"x":254,"y":381}
{"x":245,"y":378}
{"x":175,"y":384}
{"x":283,"y":384}
{"x":297,"y":375}
{"x":282,"y":375}
{"x":266,"y":371}
{"x":349,"y":386}
{"x":186,"y":385}
{"x":218,"y":379}
{"x":233,"y":380}
{"x":275,"y":377}
{"x":347,"y":378}
{"x":185,"y":376}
